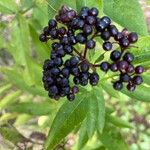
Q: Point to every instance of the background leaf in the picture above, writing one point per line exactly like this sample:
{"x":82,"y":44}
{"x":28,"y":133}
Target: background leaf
{"x":126,"y":13}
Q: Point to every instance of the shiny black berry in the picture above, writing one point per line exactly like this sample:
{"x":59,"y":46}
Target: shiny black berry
{"x":139,"y":69}
{"x":105,"y":66}
{"x":118,"y":85}
{"x":128,"y":57}
{"x":107,"y":46}
{"x":115,"y":55}
{"x":90,"y":44}
{"x":137,"y":80}
{"x":133,"y":37}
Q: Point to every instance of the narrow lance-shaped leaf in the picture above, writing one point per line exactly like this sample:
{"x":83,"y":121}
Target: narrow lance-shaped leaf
{"x":141,"y":93}
{"x":83,"y":136}
{"x":67,"y":118}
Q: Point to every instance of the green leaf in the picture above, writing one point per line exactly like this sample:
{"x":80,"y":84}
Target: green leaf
{"x":110,"y":90}
{"x":8,"y":6}
{"x":83,"y":136}
{"x":112,"y":139}
{"x":41,"y":49}
{"x":89,"y":3}
{"x":53,"y":6}
{"x":68,"y":117}
{"x":5,"y":88}
{"x":146,"y":78}
{"x":11,"y":134}
{"x":142,"y":58}
{"x":42,"y":108}
{"x":127,"y":13}
{"x":99,"y":98}
{"x":22,"y":119}
{"x":9,"y":99}
{"x":15,"y":77}
{"x":141,"y":93}
{"x":20,"y":40}
{"x":92,"y":115}
{"x":118,"y":122}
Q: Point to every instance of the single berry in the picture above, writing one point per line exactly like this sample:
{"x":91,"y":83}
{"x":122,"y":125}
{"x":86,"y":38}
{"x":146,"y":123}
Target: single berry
{"x":131,"y":87}
{"x":107,"y":46}
{"x":84,"y":66}
{"x":114,"y":67}
{"x":93,"y":11}
{"x":54,"y":33}
{"x":70,"y":97}
{"x":74,"y":60}
{"x":68,"y":49}
{"x":115,"y":55}
{"x":90,"y":44}
{"x":42,"y":38}
{"x":113,"y":30}
{"x":122,"y":65}
{"x":55,"y":71}
{"x":130,"y":69}
{"x":52,"y":23}
{"x":105,"y":35}
{"x":81,"y":38}
{"x":128,"y":57}
{"x":106,"y":20}
{"x":84,"y":12}
{"x":75,"y":89}
{"x":65,"y":72}
{"x":46,"y":30}
{"x":105,"y":66}
{"x":53,"y":90}
{"x":76,"y":80}
{"x":91,"y":20}
{"x":65,"y":40}
{"x":133,"y":37}
{"x":94,"y":78}
{"x":87,"y":29}
{"x":75,"y":71}
{"x":66,"y":90}
{"x":124,"y":42}
{"x":124,"y":77}
{"x":137,"y":80}
{"x":139,"y":69}
{"x":62,"y":31}
{"x":101,"y":25}
{"x":64,"y":82}
{"x":118,"y":85}
{"x":118,"y":36}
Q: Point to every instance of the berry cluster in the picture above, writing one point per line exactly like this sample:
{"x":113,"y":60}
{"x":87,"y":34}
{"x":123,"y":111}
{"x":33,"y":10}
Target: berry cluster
{"x":67,"y":67}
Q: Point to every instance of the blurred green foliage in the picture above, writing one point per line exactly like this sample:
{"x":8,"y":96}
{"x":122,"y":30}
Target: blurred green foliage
{"x":99,"y":117}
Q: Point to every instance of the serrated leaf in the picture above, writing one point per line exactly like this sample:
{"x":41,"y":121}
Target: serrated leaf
{"x":8,"y":6}
{"x":68,"y":117}
{"x":141,"y":93}
{"x":42,"y":108}
{"x":142,"y":58}
{"x":112,"y":139}
{"x":127,"y":13}
{"x":9,"y":99}
{"x":83,"y":136}
{"x":110,"y":90}
{"x":118,"y":122}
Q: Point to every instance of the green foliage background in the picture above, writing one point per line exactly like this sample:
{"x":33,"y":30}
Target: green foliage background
{"x":98,"y":118}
